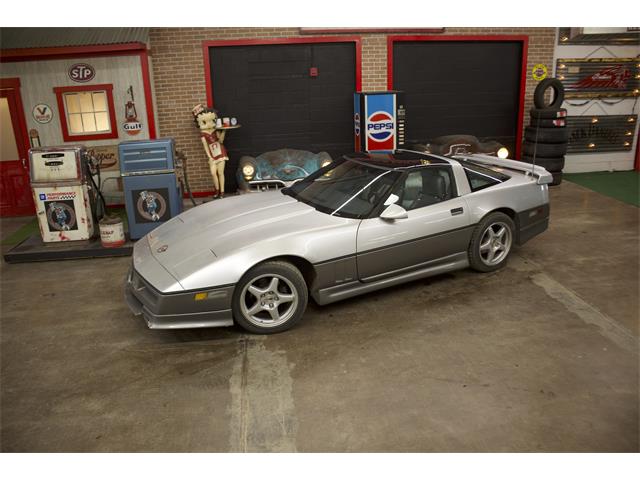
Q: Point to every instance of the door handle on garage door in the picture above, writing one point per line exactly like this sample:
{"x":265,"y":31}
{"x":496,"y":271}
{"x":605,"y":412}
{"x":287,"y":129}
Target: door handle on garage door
{"x":457,"y":211}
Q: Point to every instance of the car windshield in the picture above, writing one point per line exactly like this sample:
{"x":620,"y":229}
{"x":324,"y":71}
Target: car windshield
{"x":347,"y":188}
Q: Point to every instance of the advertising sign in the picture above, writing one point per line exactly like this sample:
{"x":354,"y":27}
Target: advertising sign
{"x":81,"y":72}
{"x":380,"y":122}
{"x":599,"y":77}
{"x":42,"y":113}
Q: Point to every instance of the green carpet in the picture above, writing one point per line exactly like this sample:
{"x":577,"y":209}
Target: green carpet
{"x":31,"y":228}
{"x":623,"y":186}
{"x":22,"y":233}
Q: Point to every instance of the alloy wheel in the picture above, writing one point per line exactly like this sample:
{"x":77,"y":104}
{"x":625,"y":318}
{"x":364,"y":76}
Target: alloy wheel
{"x":495,"y":243}
{"x":268,"y":300}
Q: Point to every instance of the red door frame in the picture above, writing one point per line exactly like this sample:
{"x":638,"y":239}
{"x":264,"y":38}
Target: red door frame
{"x":21,"y":133}
{"x":391,"y":39}
{"x":276,"y":41}
{"x":115,"y":50}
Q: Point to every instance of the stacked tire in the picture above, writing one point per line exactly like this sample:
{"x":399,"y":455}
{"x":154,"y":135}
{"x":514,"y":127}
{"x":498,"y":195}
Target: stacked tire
{"x":546,"y":137}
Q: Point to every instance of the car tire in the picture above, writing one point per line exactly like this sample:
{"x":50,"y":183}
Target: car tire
{"x":270,"y":298}
{"x":485,"y":253}
{"x":557,"y":178}
{"x":547,"y":150}
{"x":548,"y":113}
{"x":546,"y":135}
{"x":549,"y":164}
{"x":541,"y":90}
{"x":548,"y":122}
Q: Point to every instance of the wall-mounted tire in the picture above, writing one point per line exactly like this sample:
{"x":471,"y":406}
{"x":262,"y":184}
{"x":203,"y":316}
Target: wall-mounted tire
{"x":541,"y":89}
{"x":546,"y":135}
{"x":548,"y":122}
{"x":549,"y":164}
{"x":548,"y":150}
{"x":548,"y":113}
{"x":557,"y":178}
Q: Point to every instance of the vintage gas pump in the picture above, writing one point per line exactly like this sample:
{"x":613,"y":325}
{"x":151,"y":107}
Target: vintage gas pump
{"x":151,"y":189}
{"x":64,"y":199}
{"x":379,"y":121}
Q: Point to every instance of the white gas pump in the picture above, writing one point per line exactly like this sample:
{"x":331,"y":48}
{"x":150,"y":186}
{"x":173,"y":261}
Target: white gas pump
{"x":61,"y":191}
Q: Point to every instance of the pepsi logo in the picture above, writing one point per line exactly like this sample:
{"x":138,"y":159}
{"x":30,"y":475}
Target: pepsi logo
{"x":380,"y":126}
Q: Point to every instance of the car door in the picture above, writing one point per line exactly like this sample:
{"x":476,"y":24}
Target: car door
{"x":437,"y":228}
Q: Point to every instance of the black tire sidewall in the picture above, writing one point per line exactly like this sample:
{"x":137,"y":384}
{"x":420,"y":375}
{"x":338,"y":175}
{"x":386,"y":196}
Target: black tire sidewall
{"x":548,"y":113}
{"x":549,"y":150}
{"x":546,"y":135}
{"x":542,"y":87}
{"x":283,"y":269}
{"x":473,"y":252}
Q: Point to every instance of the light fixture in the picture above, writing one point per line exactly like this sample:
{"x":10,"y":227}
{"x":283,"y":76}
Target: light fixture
{"x":594,"y":120}
{"x":631,"y":119}
{"x":248,"y":170}
{"x":562,"y":65}
{"x":626,"y":144}
{"x":560,"y":77}
{"x":503,"y":152}
{"x":628,"y":134}
{"x":564,"y":39}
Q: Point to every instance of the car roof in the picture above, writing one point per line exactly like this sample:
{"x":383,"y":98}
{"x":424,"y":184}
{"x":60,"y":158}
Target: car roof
{"x":399,"y":159}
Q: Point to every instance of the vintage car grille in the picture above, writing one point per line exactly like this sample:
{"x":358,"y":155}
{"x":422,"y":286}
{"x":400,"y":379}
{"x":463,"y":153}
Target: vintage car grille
{"x":264,"y":185}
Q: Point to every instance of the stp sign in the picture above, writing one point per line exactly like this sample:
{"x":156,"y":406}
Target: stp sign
{"x":380,"y":131}
{"x":81,"y":72}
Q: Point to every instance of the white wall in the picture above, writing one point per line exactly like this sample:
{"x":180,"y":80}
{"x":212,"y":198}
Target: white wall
{"x":38,"y":79}
{"x":595,"y":162}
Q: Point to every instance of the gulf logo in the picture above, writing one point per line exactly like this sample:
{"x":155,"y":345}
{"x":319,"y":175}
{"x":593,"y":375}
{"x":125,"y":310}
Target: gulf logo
{"x":380,"y":126}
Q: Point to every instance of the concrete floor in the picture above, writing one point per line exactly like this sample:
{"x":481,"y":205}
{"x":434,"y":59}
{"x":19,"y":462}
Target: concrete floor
{"x":541,"y":356}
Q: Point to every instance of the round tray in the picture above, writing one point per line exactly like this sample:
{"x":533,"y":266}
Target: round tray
{"x":230,"y":127}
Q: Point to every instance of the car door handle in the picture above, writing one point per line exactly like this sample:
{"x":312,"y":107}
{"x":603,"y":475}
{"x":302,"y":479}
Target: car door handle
{"x":457,"y":211}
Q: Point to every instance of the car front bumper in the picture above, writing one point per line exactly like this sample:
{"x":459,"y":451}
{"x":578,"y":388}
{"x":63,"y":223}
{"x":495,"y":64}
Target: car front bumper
{"x":178,"y":310}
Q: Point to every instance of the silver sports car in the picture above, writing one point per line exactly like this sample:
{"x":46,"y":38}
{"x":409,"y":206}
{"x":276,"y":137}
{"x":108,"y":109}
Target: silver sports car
{"x":362,"y":223}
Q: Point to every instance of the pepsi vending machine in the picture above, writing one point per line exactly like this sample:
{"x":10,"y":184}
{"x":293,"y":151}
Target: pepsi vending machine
{"x":379,"y":121}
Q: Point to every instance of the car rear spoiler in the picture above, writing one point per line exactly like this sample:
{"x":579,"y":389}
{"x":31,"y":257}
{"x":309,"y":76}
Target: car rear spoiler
{"x":543,"y":177}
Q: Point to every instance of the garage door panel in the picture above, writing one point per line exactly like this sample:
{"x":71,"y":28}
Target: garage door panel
{"x":269,"y":88}
{"x":467,"y":87}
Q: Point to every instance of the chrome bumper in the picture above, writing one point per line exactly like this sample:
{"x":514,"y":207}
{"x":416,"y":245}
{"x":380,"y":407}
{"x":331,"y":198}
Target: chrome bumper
{"x":177,"y":310}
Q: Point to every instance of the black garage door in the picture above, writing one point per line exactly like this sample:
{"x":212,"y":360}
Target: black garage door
{"x":281,"y":102}
{"x":460,"y":87}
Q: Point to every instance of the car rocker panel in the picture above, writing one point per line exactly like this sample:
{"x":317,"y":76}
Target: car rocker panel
{"x":188,"y":272}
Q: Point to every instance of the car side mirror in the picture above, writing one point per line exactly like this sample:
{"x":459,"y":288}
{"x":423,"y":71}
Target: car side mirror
{"x":394,"y":212}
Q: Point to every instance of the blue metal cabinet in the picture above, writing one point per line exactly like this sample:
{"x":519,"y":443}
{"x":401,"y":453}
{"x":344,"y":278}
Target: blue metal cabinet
{"x":151,"y":189}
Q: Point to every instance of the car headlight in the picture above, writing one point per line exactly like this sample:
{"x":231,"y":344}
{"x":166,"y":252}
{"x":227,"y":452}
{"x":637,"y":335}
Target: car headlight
{"x":503,"y":152}
{"x":248,"y":171}
{"x":325,"y":163}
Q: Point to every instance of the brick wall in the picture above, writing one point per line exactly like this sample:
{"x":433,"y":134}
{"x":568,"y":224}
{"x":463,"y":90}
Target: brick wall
{"x":178,"y":71}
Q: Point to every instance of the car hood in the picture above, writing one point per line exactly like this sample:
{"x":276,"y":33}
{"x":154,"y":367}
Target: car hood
{"x":202,"y":234}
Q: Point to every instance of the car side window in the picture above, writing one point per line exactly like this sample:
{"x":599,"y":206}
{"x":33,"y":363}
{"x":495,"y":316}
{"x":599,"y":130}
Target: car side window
{"x":480,"y":177}
{"x":478,"y":181}
{"x":425,"y":186}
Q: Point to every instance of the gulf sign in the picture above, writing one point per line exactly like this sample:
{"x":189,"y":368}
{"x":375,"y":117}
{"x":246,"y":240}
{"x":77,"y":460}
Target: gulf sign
{"x":380,"y":124}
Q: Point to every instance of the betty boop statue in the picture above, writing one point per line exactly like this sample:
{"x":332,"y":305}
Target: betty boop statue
{"x":212,"y":139}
